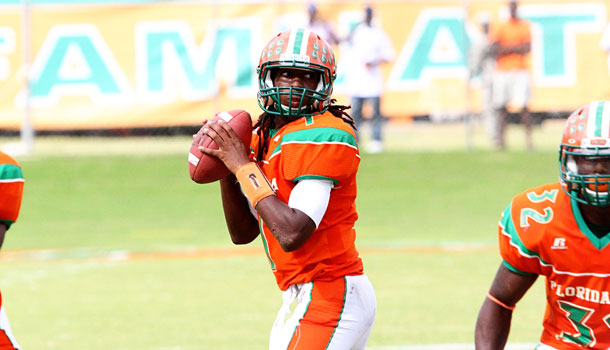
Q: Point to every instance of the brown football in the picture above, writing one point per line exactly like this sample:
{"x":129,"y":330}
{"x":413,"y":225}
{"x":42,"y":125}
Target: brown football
{"x":205,"y":168}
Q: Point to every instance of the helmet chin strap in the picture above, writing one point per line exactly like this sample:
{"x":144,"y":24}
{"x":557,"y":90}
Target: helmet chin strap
{"x":595,"y":193}
{"x":288,"y":109}
{"x":595,"y":198}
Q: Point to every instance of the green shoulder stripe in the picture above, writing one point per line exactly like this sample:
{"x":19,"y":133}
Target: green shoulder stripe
{"x":318,"y":135}
{"x":315,"y":177}
{"x":10,"y":172}
{"x":515,"y":270}
{"x":510,"y":230}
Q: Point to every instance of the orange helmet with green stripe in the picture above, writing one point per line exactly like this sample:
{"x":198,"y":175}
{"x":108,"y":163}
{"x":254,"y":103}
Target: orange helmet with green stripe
{"x":584,"y":154}
{"x":296,"y":49}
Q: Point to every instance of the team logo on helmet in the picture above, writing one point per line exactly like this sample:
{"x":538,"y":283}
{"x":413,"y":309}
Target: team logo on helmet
{"x":299,"y":60}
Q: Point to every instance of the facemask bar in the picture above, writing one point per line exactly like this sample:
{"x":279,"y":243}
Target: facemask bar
{"x":591,"y":189}
{"x":269,"y":96}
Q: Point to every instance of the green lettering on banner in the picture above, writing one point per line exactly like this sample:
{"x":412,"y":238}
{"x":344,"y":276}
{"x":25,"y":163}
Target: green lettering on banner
{"x":155,"y":43}
{"x":198,"y":77}
{"x":74,"y":60}
{"x":89,"y":63}
{"x":554,"y":29}
{"x":243,"y":59}
{"x":456,"y":43}
{"x":553,"y":40}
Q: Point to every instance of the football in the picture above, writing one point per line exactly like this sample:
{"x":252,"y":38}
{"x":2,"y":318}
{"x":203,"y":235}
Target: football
{"x":205,"y":168}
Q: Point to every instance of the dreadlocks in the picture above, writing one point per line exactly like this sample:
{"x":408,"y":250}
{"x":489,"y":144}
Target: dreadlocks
{"x":266,"y":123}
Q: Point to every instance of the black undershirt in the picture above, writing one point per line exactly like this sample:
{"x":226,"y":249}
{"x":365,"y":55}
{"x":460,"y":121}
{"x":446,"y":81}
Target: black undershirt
{"x":599,"y":230}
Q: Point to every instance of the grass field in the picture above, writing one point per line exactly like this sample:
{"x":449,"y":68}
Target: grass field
{"x":116,"y":248}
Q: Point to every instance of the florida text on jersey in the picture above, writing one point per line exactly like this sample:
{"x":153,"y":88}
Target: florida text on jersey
{"x":542,"y":232}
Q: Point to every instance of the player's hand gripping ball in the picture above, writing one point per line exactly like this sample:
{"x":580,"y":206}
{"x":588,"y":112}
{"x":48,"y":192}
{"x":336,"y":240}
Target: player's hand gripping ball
{"x":205,"y":168}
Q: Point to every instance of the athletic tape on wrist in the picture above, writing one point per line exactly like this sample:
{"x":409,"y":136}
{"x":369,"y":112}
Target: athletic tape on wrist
{"x":254,"y":183}
{"x":495,"y":300}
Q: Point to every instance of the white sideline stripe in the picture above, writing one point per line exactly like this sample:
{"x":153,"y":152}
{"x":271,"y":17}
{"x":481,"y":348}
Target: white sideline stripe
{"x":450,"y":346}
{"x":32,"y":278}
{"x":125,"y":254}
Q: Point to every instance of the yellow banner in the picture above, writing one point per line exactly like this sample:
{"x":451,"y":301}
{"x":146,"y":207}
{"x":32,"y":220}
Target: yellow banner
{"x":104,"y":64}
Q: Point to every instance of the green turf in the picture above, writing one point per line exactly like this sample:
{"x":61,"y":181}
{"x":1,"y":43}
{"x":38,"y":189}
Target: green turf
{"x":417,"y":210}
{"x":427,"y":198}
{"x":150,"y":202}
{"x":117,"y":202}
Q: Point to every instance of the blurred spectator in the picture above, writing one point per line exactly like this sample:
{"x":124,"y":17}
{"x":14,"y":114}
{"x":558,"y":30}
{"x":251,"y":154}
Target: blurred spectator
{"x":481,"y":63}
{"x":319,"y":26}
{"x":511,"y":42}
{"x":369,"y":48}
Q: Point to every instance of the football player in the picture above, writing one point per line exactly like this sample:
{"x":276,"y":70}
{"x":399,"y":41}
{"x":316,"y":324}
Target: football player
{"x":560,"y":231}
{"x":11,"y":190}
{"x":300,"y":181}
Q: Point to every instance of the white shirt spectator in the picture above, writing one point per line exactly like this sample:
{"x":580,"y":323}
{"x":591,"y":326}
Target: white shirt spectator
{"x":369,"y":47}
{"x":324,"y":30}
{"x":320,"y":26}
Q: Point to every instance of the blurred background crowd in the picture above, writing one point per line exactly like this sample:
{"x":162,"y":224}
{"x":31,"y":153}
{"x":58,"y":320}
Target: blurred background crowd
{"x":96,"y":67}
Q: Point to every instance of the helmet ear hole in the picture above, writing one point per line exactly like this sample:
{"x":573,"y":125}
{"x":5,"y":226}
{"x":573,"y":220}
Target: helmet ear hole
{"x":270,"y":77}
{"x":571,"y":165}
{"x":321,"y":84}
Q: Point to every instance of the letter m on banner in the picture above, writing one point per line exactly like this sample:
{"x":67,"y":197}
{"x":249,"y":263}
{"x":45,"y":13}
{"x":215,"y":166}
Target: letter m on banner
{"x":170,"y":62}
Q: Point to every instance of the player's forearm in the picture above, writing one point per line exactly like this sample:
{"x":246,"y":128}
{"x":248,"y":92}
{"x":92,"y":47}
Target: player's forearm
{"x":242,"y":226}
{"x":2,"y":232}
{"x":291,"y":227}
{"x":493,"y":326}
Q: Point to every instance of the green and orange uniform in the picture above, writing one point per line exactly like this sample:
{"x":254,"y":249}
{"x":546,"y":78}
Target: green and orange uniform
{"x":316,"y":147}
{"x":11,"y":190}
{"x":542,"y":232}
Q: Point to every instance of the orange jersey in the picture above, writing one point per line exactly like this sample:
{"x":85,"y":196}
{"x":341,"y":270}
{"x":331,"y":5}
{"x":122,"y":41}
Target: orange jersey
{"x":11,"y":189}
{"x":511,"y":33}
{"x":542,"y":232}
{"x":318,"y":147}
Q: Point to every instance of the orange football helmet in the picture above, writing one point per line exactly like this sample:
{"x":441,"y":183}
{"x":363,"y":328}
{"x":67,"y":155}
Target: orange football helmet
{"x":296,"y":49}
{"x":584,"y":154}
